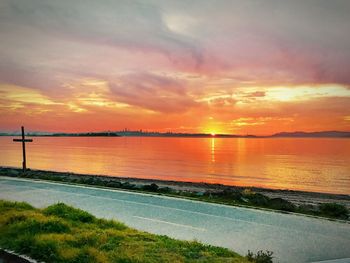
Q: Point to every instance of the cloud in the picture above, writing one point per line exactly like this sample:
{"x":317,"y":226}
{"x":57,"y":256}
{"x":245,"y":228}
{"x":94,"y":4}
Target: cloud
{"x":153,"y":92}
{"x":15,"y":96}
{"x":301,"y":42}
{"x":177,"y":61}
{"x":124,"y":24}
{"x":256,"y":94}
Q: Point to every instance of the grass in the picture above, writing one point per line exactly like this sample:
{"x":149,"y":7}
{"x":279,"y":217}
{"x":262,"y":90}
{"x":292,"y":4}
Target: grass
{"x":61,"y":233}
{"x":240,"y":197}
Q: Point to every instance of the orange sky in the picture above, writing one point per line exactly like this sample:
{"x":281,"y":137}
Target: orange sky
{"x":175,"y":66}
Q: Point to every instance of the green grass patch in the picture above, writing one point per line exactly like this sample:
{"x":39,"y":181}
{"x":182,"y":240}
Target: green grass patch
{"x":69,"y":213}
{"x":7,"y":205}
{"x":61,"y":233}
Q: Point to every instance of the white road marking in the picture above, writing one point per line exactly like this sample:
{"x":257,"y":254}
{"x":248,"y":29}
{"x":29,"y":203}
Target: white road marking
{"x":170,"y":223}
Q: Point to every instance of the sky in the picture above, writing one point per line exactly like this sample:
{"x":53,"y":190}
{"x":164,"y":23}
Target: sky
{"x":238,"y":66}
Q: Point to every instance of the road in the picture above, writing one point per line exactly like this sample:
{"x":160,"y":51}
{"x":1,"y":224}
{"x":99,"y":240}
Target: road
{"x":292,"y":238}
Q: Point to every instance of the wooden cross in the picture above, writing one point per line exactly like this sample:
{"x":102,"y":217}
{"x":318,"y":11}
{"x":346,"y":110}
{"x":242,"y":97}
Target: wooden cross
{"x":23,"y":140}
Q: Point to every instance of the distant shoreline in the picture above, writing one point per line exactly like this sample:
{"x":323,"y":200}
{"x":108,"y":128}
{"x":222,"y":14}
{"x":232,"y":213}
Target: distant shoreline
{"x":298,"y":134}
{"x":276,"y":199}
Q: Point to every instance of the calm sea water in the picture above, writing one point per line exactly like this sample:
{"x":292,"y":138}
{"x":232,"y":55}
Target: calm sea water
{"x":320,"y":165}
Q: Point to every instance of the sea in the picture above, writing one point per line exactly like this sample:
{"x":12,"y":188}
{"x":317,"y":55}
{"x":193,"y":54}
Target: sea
{"x":307,"y":164}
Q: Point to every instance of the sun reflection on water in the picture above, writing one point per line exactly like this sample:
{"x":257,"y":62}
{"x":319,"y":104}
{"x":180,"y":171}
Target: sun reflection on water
{"x":213,"y":150}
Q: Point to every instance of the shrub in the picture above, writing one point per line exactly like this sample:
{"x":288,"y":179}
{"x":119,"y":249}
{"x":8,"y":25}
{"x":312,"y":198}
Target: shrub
{"x":13,"y":218}
{"x":44,"y":250}
{"x":106,"y":224}
{"x":21,"y":244}
{"x":7,"y":205}
{"x":260,"y":256}
{"x":258,"y":199}
{"x":247,"y":192}
{"x":55,"y":226}
{"x":226,"y":195}
{"x":38,"y":225}
{"x":128,"y":185}
{"x":114,"y":184}
{"x":150,"y":187}
{"x":89,"y":180}
{"x":307,"y":208}
{"x":68,"y":212}
{"x":334,"y":210}
{"x":281,"y":204}
{"x":166,"y":190}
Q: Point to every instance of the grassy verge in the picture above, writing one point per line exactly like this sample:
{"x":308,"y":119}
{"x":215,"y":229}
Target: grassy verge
{"x":234,"y":196}
{"x":61,"y":233}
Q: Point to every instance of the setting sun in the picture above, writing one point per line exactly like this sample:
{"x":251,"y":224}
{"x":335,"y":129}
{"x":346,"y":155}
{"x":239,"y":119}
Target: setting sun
{"x":155,"y":113}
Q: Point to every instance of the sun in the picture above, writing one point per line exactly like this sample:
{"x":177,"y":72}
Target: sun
{"x":213,"y":134}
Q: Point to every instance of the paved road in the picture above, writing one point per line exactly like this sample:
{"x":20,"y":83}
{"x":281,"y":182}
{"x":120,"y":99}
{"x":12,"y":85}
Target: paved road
{"x":292,"y":238}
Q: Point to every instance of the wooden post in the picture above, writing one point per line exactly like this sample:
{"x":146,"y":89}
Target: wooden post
{"x":23,"y":140}
{"x":24,"y":164}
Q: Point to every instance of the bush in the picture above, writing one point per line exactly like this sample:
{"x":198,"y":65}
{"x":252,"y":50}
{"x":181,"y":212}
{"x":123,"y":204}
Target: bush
{"x":68,"y":212}
{"x":260,"y":256}
{"x":106,"y":224}
{"x":114,"y":184}
{"x":166,"y":190}
{"x":225,"y":195}
{"x":89,"y":180}
{"x":281,"y":204}
{"x":21,"y":244}
{"x":44,"y":250}
{"x":334,"y":210}
{"x":128,"y":185}
{"x":6,"y":205}
{"x":151,"y":187}
{"x":258,"y":199}
{"x":38,"y":225}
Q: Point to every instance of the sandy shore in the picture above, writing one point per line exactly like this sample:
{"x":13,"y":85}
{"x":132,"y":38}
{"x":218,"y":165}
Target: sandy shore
{"x":295,"y":197}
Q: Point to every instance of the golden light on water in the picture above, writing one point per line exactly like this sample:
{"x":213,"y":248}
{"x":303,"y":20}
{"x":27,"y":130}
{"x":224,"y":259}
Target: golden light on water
{"x":213,"y":150}
{"x":272,"y":163}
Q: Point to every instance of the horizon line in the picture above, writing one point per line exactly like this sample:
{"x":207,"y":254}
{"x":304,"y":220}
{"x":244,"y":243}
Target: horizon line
{"x":169,"y":133}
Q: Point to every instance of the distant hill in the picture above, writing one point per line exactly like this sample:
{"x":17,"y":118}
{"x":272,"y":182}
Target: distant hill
{"x":338,"y":134}
{"x":86,"y":134}
{"x":297,"y":134}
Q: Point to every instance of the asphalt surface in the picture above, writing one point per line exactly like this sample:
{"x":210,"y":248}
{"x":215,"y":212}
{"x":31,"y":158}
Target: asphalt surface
{"x":292,"y":238}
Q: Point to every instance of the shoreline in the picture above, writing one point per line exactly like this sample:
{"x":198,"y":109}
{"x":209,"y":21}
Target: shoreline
{"x":287,"y":200}
{"x":140,"y":133}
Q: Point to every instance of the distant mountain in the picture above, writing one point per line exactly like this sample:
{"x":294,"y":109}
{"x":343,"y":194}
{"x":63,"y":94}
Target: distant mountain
{"x":338,"y":134}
